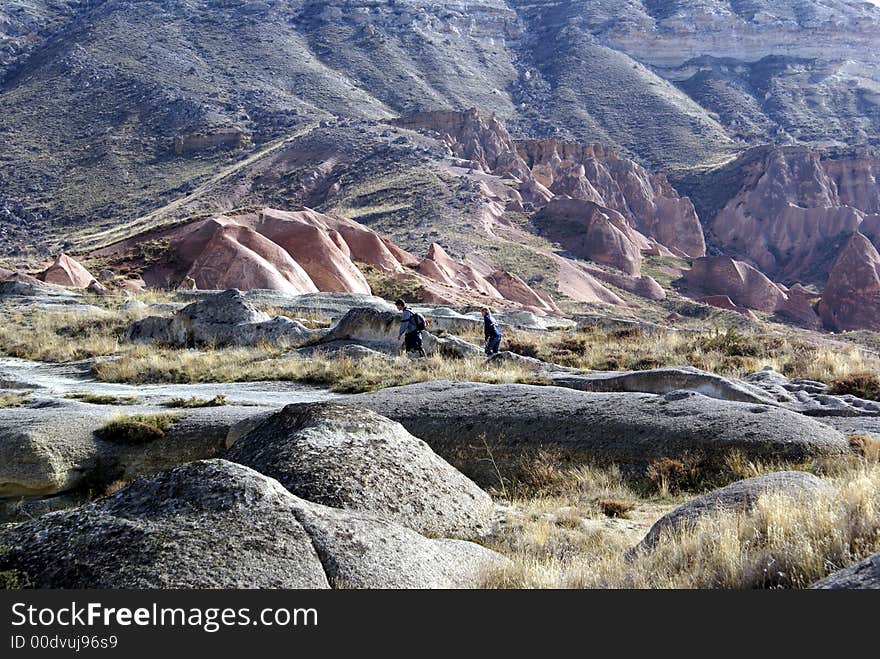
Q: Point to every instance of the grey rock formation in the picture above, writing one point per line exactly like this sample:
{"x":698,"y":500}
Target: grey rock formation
{"x":47,"y":451}
{"x":355,"y":459}
{"x":51,"y":449}
{"x":665,"y":380}
{"x":508,"y":358}
{"x":225,"y":318}
{"x":216,"y":524}
{"x":204,"y":525}
{"x":810,"y":397}
{"x":739,"y":496}
{"x":378,"y":331}
{"x":343,"y":348}
{"x":360,"y":550}
{"x":469,"y":424}
{"x":331,"y":306}
{"x":375,"y":329}
{"x":864,"y":575}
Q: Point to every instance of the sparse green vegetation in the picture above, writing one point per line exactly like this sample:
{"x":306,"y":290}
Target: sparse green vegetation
{"x":137,"y":428}
{"x":189,"y":403}
{"x":14,"y":580}
{"x":102,"y":399}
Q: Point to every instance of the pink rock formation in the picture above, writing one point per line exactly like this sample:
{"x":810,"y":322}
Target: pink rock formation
{"x":549,"y":168}
{"x":791,"y":205}
{"x":516,"y":290}
{"x":5,"y":274}
{"x":590,"y":231}
{"x":800,"y":307}
{"x":576,"y":283}
{"x":743,"y":284}
{"x":438,"y":265}
{"x":643,"y":286}
{"x":305,"y":236}
{"x":68,"y":272}
{"x":870,"y":227}
{"x":595,"y":173}
{"x":851,"y":299}
{"x":366,"y":246}
{"x":239,"y":257}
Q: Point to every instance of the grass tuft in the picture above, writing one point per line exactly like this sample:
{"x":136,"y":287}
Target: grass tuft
{"x":15,"y":399}
{"x":861,"y":385}
{"x":102,"y":399}
{"x":137,"y":428}
{"x":189,"y":403}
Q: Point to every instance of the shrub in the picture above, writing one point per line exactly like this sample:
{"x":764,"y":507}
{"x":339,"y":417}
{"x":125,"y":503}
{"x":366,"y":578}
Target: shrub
{"x":865,"y":446}
{"x":615,"y":507}
{"x":13,"y":580}
{"x":861,"y":385}
{"x":102,"y":399}
{"x":731,"y":343}
{"x":670,"y":475}
{"x":188,"y":403}
{"x":523,"y":348}
{"x":137,"y":428}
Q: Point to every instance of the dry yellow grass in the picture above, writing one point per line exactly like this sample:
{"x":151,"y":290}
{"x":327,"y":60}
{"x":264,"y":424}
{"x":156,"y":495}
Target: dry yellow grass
{"x":779,"y":544}
{"x":14,"y":399}
{"x":148,"y":364}
{"x":729,"y":352}
{"x":60,"y":336}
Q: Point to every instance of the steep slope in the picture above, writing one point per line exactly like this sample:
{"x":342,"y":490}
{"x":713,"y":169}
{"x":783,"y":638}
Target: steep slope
{"x":169,"y":94}
{"x":794,"y":208}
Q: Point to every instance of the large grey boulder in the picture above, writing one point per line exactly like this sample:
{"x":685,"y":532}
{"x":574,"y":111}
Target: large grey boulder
{"x":225,"y":318}
{"x":217,"y":524}
{"x":453,"y":347}
{"x":341,"y":349}
{"x":44,"y":451}
{"x":508,"y":358}
{"x":352,"y":458}
{"x":739,"y":496}
{"x":861,"y":576}
{"x":50,"y":449}
{"x":366,"y":326}
{"x":472,"y":424}
{"x":378,"y":330}
{"x":204,"y":525}
{"x":665,"y":380}
{"x":360,"y":550}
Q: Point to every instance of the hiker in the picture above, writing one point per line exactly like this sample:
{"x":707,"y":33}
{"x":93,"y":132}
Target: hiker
{"x":491,"y":331}
{"x":411,"y":326}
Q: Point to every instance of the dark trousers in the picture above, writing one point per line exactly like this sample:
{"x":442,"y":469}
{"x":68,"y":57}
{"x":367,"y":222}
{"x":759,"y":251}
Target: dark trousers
{"x":412,"y":342}
{"x":493,"y":345}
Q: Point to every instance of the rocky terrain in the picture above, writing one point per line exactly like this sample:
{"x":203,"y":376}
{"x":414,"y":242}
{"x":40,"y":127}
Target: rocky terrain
{"x":207,"y":209}
{"x":386,"y":489}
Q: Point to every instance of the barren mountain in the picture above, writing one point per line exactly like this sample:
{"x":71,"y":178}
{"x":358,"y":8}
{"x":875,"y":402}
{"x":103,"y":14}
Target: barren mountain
{"x":110,"y":109}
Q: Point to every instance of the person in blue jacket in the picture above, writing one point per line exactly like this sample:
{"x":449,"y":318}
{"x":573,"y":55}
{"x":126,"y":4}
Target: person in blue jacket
{"x":491,"y":331}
